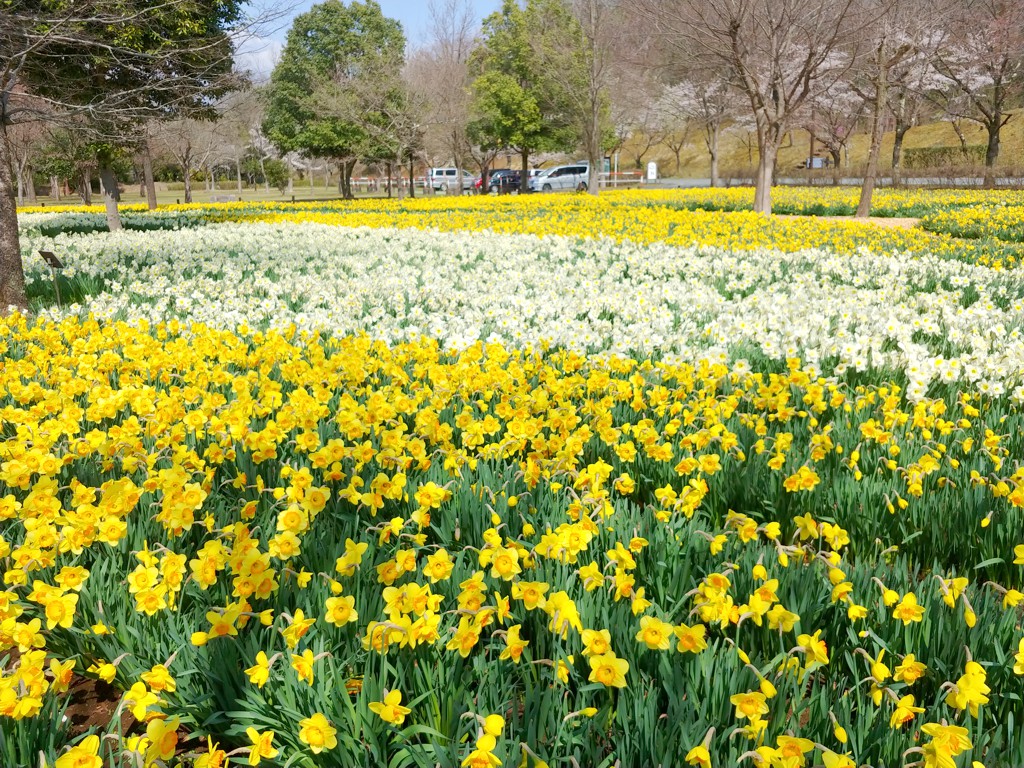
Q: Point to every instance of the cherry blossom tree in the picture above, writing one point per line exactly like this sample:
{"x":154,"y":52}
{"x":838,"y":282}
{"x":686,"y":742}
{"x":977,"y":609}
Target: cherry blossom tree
{"x":706,"y":102}
{"x":981,"y":62}
{"x":781,"y":53}
{"x":832,"y":118}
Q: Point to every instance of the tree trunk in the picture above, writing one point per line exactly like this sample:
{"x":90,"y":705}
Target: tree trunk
{"x":897,"y":151}
{"x":12,"y":273}
{"x":263,"y":171}
{"x":867,"y":189}
{"x":485,"y":175}
{"x":524,"y":171}
{"x":993,"y":127}
{"x":345,"y":182}
{"x":111,"y":193}
{"x":960,"y":137}
{"x":30,"y":185}
{"x":86,"y":191}
{"x":765,"y":176}
{"x":186,"y":172}
{"x":837,"y":161}
{"x":412,"y":179}
{"x":713,"y":151}
{"x":594,"y":158}
{"x":19,"y":183}
{"x":238,"y":175}
{"x":388,"y":166}
{"x":55,"y":187}
{"x":147,"y":173}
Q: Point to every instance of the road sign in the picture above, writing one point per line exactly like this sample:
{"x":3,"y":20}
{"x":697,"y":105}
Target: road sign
{"x":51,"y":259}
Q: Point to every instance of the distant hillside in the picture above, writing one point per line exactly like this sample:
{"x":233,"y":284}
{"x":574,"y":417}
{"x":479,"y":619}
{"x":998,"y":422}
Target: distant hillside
{"x":739,"y":151}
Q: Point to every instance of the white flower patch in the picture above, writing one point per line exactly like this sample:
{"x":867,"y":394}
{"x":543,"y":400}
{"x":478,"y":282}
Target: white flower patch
{"x":932,"y":318}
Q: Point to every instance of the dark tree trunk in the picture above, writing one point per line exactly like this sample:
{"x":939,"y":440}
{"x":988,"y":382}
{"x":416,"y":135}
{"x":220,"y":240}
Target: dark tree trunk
{"x":960,"y":137}
{"x":712,"y":135}
{"x":897,"y":151}
{"x":524,"y":171}
{"x":147,"y":177}
{"x":991,"y":150}
{"x":867,"y":189}
{"x":345,"y":180}
{"x":30,"y":184}
{"x":111,"y":193}
{"x":837,"y":161}
{"x":187,"y":175}
{"x":86,"y":191}
{"x":12,"y":273}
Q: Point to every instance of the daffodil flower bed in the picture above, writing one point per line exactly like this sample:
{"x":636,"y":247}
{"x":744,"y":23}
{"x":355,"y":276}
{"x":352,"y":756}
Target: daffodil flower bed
{"x":931,"y":321}
{"x":717,"y":218}
{"x":316,"y":496}
{"x":1001,"y":220}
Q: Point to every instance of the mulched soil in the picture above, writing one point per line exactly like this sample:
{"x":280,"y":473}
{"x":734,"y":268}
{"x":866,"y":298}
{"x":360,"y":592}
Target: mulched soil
{"x":92,"y":706}
{"x":91,"y":702}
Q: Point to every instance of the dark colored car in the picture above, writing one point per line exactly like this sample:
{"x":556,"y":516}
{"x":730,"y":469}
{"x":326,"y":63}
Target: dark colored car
{"x":503,"y":180}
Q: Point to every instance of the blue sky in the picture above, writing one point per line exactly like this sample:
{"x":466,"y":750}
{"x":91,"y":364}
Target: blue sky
{"x":259,"y":54}
{"x":412,"y":13}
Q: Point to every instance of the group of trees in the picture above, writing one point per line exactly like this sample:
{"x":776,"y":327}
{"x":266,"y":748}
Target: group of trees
{"x":102,"y":89}
{"x":94,"y":72}
{"x":836,"y":67}
{"x":531,"y":80}
{"x":592,"y":76}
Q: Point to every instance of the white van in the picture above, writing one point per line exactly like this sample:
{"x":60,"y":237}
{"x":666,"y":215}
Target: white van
{"x":572,"y":176}
{"x":443,"y":179}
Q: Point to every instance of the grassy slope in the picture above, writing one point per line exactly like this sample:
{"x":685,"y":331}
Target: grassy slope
{"x":734,"y":153}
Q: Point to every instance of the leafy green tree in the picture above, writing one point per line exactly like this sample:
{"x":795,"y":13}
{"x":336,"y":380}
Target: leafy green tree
{"x":68,"y":156}
{"x":573,"y":40}
{"x":334,"y":54}
{"x":516,"y":103}
{"x":103,"y":67}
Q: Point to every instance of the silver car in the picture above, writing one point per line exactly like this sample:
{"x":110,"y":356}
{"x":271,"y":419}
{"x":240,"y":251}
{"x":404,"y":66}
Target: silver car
{"x":561,"y":177}
{"x":445,"y":179}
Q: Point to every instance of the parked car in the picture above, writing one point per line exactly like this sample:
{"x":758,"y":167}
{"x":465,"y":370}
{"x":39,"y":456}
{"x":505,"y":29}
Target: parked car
{"x":443,"y":179}
{"x":504,"y":180}
{"x":561,"y":177}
